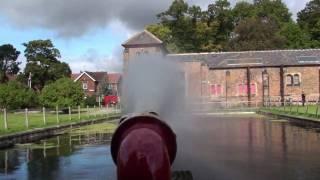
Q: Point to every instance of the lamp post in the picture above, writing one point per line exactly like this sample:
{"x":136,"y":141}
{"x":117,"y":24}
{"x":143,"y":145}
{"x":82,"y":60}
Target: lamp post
{"x":265,"y":86}
{"x":227,"y":78}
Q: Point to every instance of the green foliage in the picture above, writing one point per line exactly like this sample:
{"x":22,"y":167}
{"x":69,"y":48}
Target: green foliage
{"x":309,"y":20}
{"x":256,"y":34}
{"x":90,"y":101}
{"x":220,"y":27}
{"x":63,"y":93}
{"x":8,"y":62}
{"x":43,"y":64}
{"x":295,"y":37}
{"x":14,"y":95}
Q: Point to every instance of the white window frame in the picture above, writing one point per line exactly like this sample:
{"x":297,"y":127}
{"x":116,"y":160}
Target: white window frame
{"x":85,"y":85}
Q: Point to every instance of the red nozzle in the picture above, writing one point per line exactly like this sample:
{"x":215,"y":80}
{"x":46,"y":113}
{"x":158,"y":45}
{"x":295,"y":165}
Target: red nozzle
{"x":143,"y":147}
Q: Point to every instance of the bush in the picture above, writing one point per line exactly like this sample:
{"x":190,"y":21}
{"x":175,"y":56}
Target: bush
{"x":14,"y":95}
{"x":63,"y":93}
{"x":90,"y":101}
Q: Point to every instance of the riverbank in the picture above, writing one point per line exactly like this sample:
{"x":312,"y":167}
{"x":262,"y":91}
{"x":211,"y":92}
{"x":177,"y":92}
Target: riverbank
{"x":28,"y":136}
{"x":295,"y":117}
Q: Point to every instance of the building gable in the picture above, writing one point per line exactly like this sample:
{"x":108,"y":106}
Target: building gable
{"x":143,"y":38}
{"x":84,"y":74}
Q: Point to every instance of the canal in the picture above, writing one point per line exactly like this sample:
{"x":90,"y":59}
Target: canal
{"x":222,"y":148}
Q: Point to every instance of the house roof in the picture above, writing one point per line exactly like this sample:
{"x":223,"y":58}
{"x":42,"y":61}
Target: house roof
{"x":143,"y":38}
{"x":95,"y":76}
{"x":114,"y":78}
{"x":253,"y":58}
{"x":99,"y":76}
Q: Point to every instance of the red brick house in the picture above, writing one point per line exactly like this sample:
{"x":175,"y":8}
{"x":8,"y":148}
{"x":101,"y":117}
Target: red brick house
{"x":114,"y":82}
{"x":94,"y":83}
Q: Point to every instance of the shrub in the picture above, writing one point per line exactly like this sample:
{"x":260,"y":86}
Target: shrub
{"x":63,"y":93}
{"x":14,"y":95}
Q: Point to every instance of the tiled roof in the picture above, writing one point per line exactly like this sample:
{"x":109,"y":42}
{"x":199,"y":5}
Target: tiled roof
{"x":253,"y":58}
{"x":98,"y":76}
{"x":114,"y":78}
{"x":143,"y":38}
{"x":95,"y":76}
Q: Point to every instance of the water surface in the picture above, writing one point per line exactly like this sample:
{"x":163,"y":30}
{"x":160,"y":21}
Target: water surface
{"x":222,"y":148}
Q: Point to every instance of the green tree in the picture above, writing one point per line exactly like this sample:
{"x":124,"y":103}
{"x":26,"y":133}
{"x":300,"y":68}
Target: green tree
{"x":63,"y":93}
{"x":243,"y":10}
{"x":256,"y":34}
{"x":14,"y":95}
{"x":309,"y":20}
{"x":8,"y":62}
{"x":295,"y":37}
{"x":43,"y":64}
{"x":273,"y":9}
{"x":220,"y":14}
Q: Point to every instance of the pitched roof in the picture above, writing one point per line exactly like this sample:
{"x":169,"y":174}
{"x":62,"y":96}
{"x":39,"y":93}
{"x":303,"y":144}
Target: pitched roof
{"x":143,"y":38}
{"x":99,"y":76}
{"x":95,"y":76}
{"x":253,"y":58}
{"x":114,"y":78}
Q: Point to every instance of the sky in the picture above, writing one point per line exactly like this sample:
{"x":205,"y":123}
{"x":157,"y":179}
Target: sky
{"x":88,"y":33}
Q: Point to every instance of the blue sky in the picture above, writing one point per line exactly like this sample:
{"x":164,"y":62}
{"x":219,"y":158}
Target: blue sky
{"x":87,"y":33}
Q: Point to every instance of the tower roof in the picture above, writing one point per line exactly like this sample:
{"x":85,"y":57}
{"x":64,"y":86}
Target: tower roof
{"x":143,"y":38}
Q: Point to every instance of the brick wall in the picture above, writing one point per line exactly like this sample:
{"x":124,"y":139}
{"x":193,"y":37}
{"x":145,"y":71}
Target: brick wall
{"x":309,"y":83}
{"x":92,"y":86}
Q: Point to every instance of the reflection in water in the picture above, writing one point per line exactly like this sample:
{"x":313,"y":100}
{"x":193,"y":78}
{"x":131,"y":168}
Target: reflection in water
{"x":69,"y":156}
{"x":248,"y":148}
{"x":212,"y":148}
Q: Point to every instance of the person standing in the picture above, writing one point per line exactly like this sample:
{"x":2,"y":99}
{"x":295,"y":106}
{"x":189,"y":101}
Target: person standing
{"x":303,"y":98}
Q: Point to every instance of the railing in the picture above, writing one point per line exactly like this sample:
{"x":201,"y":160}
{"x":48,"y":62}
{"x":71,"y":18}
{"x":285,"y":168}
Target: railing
{"x":231,"y":106}
{"x":21,"y":120}
{"x":295,"y":108}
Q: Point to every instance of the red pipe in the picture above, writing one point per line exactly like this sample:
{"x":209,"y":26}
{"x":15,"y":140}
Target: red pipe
{"x":143,"y":148}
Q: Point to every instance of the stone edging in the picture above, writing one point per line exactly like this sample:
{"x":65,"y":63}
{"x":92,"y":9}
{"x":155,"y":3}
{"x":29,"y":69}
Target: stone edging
{"x":10,"y":140}
{"x":291,"y":117}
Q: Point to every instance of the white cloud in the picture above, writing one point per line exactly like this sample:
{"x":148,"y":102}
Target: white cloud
{"x":93,"y":61}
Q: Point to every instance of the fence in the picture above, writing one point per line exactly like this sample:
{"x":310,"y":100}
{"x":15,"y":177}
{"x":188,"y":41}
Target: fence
{"x":20,"y":120}
{"x":224,"y":106}
{"x":310,"y":108}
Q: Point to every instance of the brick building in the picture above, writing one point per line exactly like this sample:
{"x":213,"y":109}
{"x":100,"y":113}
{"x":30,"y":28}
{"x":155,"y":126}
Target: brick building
{"x":93,"y":83}
{"x":249,"y":76}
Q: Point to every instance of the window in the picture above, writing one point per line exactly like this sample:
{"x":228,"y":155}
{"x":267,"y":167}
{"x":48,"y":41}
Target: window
{"x":84,"y":85}
{"x":289,"y":80}
{"x":296,"y":80}
{"x":243,"y":89}
{"x":216,"y":90}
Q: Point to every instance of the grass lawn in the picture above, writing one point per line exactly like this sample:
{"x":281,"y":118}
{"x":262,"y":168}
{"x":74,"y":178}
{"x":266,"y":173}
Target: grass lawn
{"x":307,"y":111}
{"x":17,"y":121}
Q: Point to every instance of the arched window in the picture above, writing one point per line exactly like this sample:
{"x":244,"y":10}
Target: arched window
{"x":296,"y":80}
{"x":289,"y":80}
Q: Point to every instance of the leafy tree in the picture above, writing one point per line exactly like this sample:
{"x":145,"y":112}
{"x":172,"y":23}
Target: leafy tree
{"x":243,"y":10}
{"x":63,"y":93}
{"x":309,"y":20}
{"x":165,"y":34}
{"x":256,"y":34}
{"x":43,"y":64}
{"x":221,"y":13}
{"x":295,"y":37}
{"x":273,"y":9}
{"x":14,"y":95}
{"x":8,"y":62}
